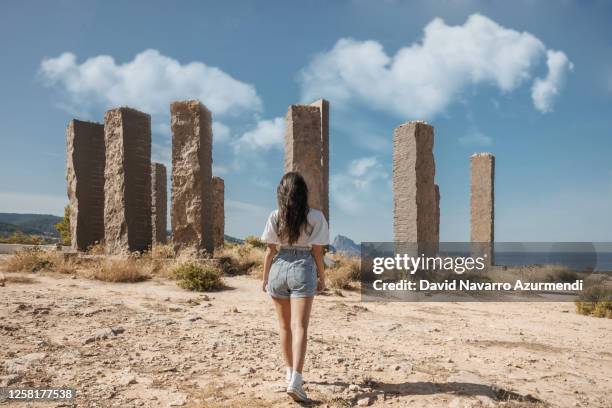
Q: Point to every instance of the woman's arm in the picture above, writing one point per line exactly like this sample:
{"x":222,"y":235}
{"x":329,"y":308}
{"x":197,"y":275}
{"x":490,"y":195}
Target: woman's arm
{"x":317,"y":254}
{"x":268,"y":257}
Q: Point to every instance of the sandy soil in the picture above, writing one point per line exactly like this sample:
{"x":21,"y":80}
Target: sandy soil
{"x":153,"y":344}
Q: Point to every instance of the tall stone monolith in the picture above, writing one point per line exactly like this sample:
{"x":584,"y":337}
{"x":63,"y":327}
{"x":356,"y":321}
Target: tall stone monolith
{"x":127,"y":186}
{"x":85,"y":176}
{"x":482,"y":202}
{"x":437,"y":215}
{"x":303,"y":149}
{"x":414,"y":194}
{"x":159,"y":203}
{"x":323,"y":106}
{"x":192,"y":198}
{"x":218,"y":187}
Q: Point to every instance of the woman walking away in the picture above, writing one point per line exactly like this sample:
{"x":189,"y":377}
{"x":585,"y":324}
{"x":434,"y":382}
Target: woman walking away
{"x":294,"y":272}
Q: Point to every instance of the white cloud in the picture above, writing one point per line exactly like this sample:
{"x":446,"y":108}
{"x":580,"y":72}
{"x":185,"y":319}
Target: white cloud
{"x":268,"y":133}
{"x":350,"y":189}
{"x":149,"y":82}
{"x":423,"y":78}
{"x":476,"y":137}
{"x":221,"y":132}
{"x":545,"y":91}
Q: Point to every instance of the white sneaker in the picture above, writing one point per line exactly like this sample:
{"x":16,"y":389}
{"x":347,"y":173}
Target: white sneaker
{"x":296,"y":392}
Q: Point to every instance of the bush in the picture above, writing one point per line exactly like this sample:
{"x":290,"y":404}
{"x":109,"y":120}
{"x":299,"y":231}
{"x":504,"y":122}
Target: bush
{"x":63,"y":227}
{"x":19,"y":237}
{"x":254,"y":242}
{"x":28,"y":260}
{"x":162,"y":251}
{"x":198,"y":278}
{"x":242,"y":259}
{"x":595,"y":301}
{"x":122,"y":270}
{"x":36,"y":260}
{"x":344,"y":272}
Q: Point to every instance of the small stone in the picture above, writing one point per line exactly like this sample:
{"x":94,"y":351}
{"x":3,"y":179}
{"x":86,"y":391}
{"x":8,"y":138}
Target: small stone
{"x":20,"y":307}
{"x":364,"y":402}
{"x":179,"y":401}
{"x":127,"y":379}
{"x":247,"y":370}
{"x":7,"y":380}
{"x":21,"y":364}
{"x":353,"y":387}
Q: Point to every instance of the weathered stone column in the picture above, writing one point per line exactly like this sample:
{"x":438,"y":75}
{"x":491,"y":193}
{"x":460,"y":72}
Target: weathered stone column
{"x":85,"y":175}
{"x":414,"y":194}
{"x":482,"y":200}
{"x":218,"y":211}
{"x":192,"y":200}
{"x":303,"y":148}
{"x":323,"y":106}
{"x":127,"y":186}
{"x":159,"y":202}
{"x":437,"y":216}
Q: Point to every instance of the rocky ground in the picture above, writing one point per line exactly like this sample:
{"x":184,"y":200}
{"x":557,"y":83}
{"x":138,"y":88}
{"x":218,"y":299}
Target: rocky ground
{"x":153,"y":344}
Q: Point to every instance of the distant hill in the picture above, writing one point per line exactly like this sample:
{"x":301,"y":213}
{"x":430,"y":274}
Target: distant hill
{"x":346,"y":246}
{"x":234,"y":240}
{"x":40,"y":224}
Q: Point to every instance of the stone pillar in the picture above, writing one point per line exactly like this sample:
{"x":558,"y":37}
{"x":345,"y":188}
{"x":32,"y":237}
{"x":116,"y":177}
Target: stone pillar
{"x":159,"y":202}
{"x":414,"y":193}
{"x":127,"y":186}
{"x":192,"y":201}
{"x":323,"y":106}
{"x":437,"y":216}
{"x":303,"y":149}
{"x":218,"y":187}
{"x":85,"y":175}
{"x":482,"y":204}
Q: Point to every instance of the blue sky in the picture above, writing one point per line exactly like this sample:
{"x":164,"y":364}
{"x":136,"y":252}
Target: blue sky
{"x":530,"y":81}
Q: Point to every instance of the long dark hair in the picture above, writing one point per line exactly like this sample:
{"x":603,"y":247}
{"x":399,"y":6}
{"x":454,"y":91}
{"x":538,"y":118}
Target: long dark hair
{"x":292,"y":197}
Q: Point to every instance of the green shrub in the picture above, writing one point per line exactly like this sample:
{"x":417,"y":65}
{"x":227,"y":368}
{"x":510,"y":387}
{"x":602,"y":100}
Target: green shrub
{"x":63,"y":227}
{"x":595,"y":301}
{"x":198,"y":278}
{"x":254,"y":242}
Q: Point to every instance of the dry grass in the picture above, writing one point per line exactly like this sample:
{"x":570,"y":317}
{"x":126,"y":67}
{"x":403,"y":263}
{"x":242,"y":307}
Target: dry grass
{"x":123,"y":270}
{"x":96,"y":249}
{"x":162,"y":251}
{"x":37,"y":260}
{"x":595,"y":301}
{"x":19,"y":279}
{"x":242,"y":259}
{"x":254,"y":242}
{"x":345,"y":273}
{"x":531,"y":273}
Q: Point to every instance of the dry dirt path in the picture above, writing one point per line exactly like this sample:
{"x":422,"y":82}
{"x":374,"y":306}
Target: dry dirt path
{"x":153,"y":344}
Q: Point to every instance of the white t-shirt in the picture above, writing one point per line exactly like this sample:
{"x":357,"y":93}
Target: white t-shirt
{"x":318,"y":236}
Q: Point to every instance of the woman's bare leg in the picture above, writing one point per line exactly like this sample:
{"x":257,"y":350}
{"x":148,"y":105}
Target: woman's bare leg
{"x":283,"y":312}
{"x":300,"y":315}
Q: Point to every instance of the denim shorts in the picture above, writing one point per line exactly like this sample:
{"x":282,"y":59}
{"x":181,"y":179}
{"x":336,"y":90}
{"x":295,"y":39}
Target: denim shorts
{"x":293,"y":274}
